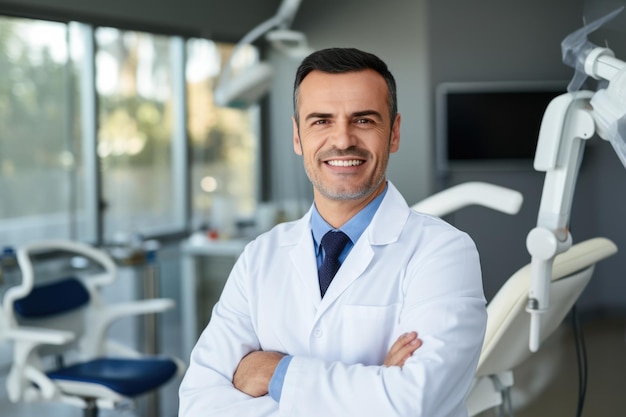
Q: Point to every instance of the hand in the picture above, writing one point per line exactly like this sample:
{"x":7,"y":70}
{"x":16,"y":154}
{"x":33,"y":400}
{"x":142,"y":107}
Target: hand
{"x":254,"y":372}
{"x":402,"y":349}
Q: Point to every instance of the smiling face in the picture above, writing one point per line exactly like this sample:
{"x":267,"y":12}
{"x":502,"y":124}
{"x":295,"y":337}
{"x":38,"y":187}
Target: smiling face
{"x":345,"y":135}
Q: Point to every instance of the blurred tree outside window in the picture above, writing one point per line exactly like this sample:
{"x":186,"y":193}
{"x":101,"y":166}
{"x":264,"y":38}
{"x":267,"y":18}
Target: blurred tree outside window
{"x":42,"y":172}
{"x":134,"y":86}
{"x":224,"y":141}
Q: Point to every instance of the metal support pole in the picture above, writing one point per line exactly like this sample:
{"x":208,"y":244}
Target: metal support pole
{"x":142,"y":257}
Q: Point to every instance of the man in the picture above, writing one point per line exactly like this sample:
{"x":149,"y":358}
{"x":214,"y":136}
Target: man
{"x":282,"y":341}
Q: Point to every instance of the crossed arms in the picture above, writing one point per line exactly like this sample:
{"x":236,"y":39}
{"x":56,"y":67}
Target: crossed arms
{"x":256,"y":369}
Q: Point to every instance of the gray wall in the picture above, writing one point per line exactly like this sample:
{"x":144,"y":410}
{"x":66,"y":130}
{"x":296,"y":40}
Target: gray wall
{"x":490,"y":40}
{"x":396,"y":31}
{"x":465,"y":47}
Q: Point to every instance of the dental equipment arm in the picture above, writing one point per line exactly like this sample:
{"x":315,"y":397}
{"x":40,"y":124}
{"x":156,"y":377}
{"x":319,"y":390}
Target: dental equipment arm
{"x":568,"y":121}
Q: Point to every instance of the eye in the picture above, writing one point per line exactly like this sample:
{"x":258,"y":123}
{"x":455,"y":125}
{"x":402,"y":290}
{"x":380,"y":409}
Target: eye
{"x":363,"y":120}
{"x":320,"y":122}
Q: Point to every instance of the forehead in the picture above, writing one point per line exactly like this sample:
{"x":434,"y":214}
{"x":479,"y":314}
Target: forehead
{"x":356,"y":88}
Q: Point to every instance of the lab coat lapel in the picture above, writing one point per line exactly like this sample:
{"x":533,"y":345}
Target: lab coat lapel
{"x":302,"y":255}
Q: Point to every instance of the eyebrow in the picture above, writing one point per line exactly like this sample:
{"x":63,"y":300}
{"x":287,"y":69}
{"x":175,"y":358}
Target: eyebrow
{"x":318,"y":116}
{"x":361,"y":113}
{"x":373,"y":113}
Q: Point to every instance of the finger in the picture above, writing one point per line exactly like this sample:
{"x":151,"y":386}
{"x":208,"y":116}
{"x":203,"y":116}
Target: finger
{"x":407,"y":352}
{"x":401,"y":343}
{"x":402,"y":349}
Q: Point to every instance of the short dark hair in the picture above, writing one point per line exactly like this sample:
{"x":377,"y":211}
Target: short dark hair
{"x":341,"y":60}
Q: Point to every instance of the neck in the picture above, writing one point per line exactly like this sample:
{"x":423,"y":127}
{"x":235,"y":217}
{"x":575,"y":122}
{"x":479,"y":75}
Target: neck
{"x":338,"y":212}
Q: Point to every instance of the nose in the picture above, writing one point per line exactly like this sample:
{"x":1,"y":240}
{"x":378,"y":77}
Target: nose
{"x":343,"y":136}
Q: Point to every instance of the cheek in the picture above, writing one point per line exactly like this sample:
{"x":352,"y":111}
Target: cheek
{"x":307,"y":146}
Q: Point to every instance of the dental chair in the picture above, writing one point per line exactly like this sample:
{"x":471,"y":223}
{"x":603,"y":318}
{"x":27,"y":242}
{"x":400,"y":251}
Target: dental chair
{"x":58,"y":328}
{"x":508,"y":324}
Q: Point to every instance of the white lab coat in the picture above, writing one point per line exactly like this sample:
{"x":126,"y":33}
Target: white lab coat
{"x":408,"y":271}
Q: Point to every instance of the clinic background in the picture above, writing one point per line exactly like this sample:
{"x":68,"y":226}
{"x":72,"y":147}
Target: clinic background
{"x":425,"y":43}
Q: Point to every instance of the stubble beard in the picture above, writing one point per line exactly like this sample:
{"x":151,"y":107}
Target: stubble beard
{"x":345,"y":193}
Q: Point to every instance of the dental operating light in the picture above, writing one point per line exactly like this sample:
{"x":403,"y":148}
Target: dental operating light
{"x":251,"y":84}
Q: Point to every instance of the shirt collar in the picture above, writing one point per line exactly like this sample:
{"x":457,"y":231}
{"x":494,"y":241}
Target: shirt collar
{"x":354,"y":227}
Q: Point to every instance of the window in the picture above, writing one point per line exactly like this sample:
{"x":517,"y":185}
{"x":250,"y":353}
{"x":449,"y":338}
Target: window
{"x":136,"y":125}
{"x":224,"y":142}
{"x":40,"y":163}
{"x":98,"y":143}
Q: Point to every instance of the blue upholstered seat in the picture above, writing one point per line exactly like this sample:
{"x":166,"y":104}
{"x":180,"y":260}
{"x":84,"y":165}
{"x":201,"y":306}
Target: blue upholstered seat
{"x":128,"y":377}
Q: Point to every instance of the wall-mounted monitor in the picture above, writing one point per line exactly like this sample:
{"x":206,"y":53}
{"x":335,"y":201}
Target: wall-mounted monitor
{"x":482,"y":124}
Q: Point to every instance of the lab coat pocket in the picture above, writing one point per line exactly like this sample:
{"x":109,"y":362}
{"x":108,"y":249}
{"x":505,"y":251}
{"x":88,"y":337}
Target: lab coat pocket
{"x":366,"y":333}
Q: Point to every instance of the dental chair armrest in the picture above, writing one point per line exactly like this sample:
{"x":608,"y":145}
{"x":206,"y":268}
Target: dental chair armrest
{"x":470,"y":193}
{"x":156,"y":305}
{"x":94,"y":343}
{"x":39,"y":335}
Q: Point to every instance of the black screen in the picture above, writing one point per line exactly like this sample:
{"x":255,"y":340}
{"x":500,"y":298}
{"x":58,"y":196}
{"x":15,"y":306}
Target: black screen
{"x":494,"y":125}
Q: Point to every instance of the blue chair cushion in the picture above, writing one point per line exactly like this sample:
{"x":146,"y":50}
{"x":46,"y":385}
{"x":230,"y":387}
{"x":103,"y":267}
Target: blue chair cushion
{"x":128,"y":377}
{"x":53,"y":298}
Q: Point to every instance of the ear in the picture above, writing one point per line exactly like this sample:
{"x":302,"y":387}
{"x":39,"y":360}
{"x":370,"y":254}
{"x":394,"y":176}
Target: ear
{"x":394,"y":140}
{"x":297,"y":146}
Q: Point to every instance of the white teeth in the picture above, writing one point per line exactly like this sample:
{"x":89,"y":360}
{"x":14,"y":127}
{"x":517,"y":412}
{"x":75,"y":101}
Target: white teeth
{"x":351,"y":163}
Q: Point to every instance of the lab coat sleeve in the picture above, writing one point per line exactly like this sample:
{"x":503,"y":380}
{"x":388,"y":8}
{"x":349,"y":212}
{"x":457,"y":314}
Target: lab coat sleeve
{"x":206,"y":389}
{"x":444,"y":302}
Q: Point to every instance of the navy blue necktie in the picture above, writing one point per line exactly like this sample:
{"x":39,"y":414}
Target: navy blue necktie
{"x":333,"y":243}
